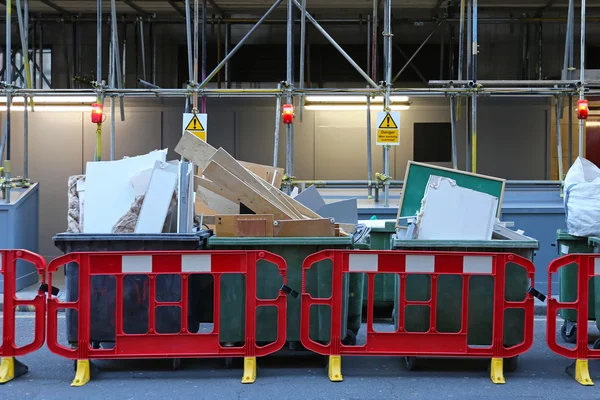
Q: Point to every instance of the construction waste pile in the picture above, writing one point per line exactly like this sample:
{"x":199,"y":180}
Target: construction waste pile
{"x":231,"y":197}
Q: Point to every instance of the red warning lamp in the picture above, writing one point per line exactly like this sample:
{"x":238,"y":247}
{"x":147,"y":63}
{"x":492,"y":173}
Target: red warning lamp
{"x":582,"y":109}
{"x":288,"y":114}
{"x":96,"y":113}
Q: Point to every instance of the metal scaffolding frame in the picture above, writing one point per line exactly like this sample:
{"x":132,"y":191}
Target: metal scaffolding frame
{"x":470,"y":88}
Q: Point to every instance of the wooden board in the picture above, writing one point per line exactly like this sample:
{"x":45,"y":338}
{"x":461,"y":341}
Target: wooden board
{"x":244,"y":225}
{"x":269,"y":174}
{"x":235,"y":168}
{"x":417,"y":176}
{"x":232,"y":188}
{"x":205,"y":193}
{"x":197,"y":151}
{"x":306,"y":228}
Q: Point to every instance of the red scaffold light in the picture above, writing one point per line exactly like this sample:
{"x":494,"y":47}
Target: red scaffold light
{"x":288,"y":113}
{"x":583,"y":109}
{"x":97,"y":113}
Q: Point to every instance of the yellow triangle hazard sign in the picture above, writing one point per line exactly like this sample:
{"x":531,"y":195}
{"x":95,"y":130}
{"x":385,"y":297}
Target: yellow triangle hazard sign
{"x":194,"y":124}
{"x":388,"y":123}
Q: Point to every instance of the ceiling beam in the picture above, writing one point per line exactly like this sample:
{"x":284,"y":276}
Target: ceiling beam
{"x":57,"y":8}
{"x":436,"y":9}
{"x":131,"y":5}
{"x":216,"y":8}
{"x":176,"y":7}
{"x":541,"y":10}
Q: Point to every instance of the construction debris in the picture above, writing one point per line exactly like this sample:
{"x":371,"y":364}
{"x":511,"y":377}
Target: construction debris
{"x":226,"y":186}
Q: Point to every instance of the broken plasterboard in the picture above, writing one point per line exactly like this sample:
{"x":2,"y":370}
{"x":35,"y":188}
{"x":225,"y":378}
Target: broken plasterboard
{"x":109,"y":192}
{"x":158,"y":198}
{"x":451,"y":212}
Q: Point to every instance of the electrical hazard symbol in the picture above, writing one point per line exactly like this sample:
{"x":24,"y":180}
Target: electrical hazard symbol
{"x":388,"y":133}
{"x":195,"y":124}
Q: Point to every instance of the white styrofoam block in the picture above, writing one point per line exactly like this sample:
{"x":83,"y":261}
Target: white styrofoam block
{"x":158,"y":198}
{"x":451,"y":212}
{"x":109,"y":192}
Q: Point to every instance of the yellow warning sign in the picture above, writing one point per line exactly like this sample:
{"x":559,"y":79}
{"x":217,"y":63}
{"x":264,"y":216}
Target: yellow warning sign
{"x":195,"y":125}
{"x":388,"y":123}
{"x":387,"y":130}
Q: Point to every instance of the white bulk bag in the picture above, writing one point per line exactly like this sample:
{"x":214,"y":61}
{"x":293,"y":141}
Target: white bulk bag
{"x":582,"y":198}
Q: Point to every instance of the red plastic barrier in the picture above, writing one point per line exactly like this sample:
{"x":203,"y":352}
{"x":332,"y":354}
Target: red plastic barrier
{"x":588,"y":266}
{"x":9,"y":367}
{"x":166,"y":345}
{"x":431,"y":343}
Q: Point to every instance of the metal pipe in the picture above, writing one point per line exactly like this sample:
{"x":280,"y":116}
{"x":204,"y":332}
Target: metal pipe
{"x":29,"y":85}
{"x":219,"y":36}
{"x":143,"y":47}
{"x":195,"y":80}
{"x":240,"y":43}
{"x":152,"y":34}
{"x":442,"y":53}
{"x":387,"y":39}
{"x":188,"y":27}
{"x":474,"y":96}
{"x":506,"y":83}
{"x":369,"y":149}
{"x":227,"y":45}
{"x":276,"y":137}
{"x":469,"y":39}
{"x":117,"y":60}
{"x":41,"y":64}
{"x":111,"y":71}
{"x":475,"y":49}
{"x":570,"y":131}
{"x":417,"y":51}
{"x":302,"y":55}
{"x":454,"y":123}
{"x":289,"y":166}
{"x":203,"y":51}
{"x":558,"y":139}
{"x":98,"y":45}
{"x":540,"y":50}
{"x":148,"y":84}
{"x":337,"y":46}
{"x":34,"y":50}
{"x":374,"y":36}
{"x":8,"y":71}
{"x":581,"y":77}
{"x":461,"y":42}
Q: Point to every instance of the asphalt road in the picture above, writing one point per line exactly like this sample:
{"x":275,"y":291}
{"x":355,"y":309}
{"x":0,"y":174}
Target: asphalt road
{"x":541,"y":375}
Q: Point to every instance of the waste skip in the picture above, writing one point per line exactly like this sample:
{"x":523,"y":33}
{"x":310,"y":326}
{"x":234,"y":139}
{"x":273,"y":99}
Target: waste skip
{"x":380,"y":239}
{"x":294,"y":250}
{"x":568,"y":281}
{"x":135,"y":287}
{"x":481,"y":287}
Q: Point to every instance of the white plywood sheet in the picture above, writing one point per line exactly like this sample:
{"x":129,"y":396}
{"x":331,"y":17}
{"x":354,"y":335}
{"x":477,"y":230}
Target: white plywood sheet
{"x":451,"y":212}
{"x":158,"y":198}
{"x":109,"y":192}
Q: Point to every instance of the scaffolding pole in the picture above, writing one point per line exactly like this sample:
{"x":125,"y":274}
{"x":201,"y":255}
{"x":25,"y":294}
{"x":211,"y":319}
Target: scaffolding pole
{"x":387,"y":40}
{"x":277,"y":124}
{"x":474,"y":96}
{"x":582,"y":77}
{"x":8,"y":72}
{"x":289,"y":159}
{"x":369,"y":149}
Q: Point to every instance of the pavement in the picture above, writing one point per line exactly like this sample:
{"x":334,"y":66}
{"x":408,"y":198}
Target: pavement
{"x":540,"y":376}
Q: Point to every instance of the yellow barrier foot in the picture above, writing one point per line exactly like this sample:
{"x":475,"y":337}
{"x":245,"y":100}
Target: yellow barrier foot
{"x":82,"y":376}
{"x":582,"y":374}
{"x":11,"y":368}
{"x":335,"y":369}
{"x":249,"y":370}
{"x":497,"y":371}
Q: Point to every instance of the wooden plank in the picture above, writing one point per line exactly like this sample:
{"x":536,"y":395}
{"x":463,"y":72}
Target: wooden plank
{"x":197,"y":151}
{"x":235,"y":168}
{"x":306,"y":228}
{"x":206,"y":193}
{"x":244,"y":225}
{"x":229,"y":186}
{"x":299,"y":207}
{"x":269,"y":174}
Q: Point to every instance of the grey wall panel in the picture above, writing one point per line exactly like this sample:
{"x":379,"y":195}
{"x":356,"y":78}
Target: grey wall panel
{"x":140,"y":133}
{"x":254,"y":140}
{"x":55,"y":153}
{"x":221,"y":128}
